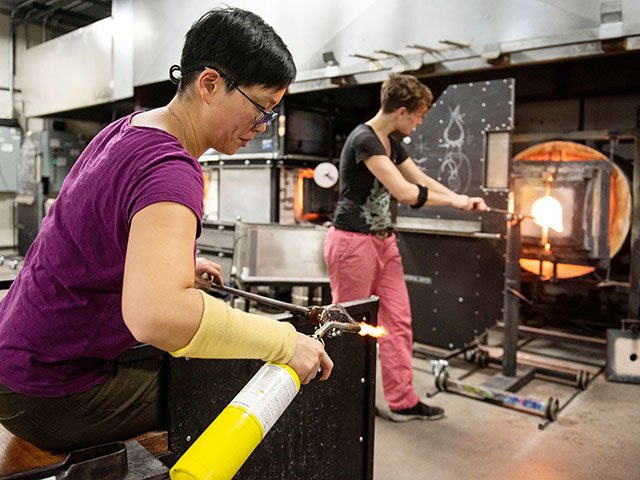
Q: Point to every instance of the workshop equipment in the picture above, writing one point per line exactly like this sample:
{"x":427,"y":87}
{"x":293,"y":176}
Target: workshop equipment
{"x":313,"y":200}
{"x":46,"y":158}
{"x":229,"y":441}
{"x":594,"y":201}
{"x":499,"y":389}
{"x":307,"y":426}
{"x":108,"y":462}
{"x":445,"y":383}
{"x":269,"y":254}
{"x":463,"y":143}
{"x":216,"y":242}
{"x":623,"y":348}
{"x":9,"y":268}
{"x":112,"y":461}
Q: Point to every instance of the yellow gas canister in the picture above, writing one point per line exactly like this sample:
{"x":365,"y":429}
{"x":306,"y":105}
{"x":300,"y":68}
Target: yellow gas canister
{"x":226,"y":444}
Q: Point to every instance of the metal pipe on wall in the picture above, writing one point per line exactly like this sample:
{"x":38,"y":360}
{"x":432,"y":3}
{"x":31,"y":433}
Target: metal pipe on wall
{"x":634,"y":273}
{"x":511,"y":302}
{"x":10,"y":71}
{"x":12,"y":48}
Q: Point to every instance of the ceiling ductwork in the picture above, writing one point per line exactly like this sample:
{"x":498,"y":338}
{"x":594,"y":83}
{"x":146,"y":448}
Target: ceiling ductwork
{"x":57,"y":16}
{"x":136,"y":44}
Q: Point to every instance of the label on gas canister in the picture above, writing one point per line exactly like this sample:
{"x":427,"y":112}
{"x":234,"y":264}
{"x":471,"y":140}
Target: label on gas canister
{"x":268,"y":394}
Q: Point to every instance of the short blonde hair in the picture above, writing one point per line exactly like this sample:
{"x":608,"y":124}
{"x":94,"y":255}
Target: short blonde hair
{"x":404,"y":91}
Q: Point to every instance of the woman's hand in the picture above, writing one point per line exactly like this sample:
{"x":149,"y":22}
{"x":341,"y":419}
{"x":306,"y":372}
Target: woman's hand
{"x":309,"y":358}
{"x":207,"y":272}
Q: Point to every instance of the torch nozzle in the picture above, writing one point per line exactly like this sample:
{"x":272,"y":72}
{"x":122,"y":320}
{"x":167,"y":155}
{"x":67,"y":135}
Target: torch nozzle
{"x":333,"y":329}
{"x":352,"y":328}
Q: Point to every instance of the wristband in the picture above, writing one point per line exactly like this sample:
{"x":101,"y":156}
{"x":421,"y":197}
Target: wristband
{"x":423,"y":193}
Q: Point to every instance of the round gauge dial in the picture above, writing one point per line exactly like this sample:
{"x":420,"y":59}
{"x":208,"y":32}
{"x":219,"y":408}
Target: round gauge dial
{"x":325,"y":175}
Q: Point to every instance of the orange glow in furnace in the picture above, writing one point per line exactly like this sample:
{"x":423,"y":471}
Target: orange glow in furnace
{"x":547,"y":213}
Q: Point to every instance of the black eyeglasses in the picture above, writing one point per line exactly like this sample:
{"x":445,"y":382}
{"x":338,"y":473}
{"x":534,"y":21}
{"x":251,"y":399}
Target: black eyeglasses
{"x":265,"y":117}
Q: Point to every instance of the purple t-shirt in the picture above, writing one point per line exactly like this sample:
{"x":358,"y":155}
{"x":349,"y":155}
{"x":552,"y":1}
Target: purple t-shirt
{"x":61,"y":323}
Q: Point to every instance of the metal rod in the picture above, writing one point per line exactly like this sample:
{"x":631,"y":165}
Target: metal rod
{"x":498,"y":210}
{"x":424,"y":47}
{"x":542,"y":333}
{"x":455,"y":43}
{"x":388,"y":52}
{"x":502,"y":398}
{"x":507,"y":212}
{"x":545,"y":424}
{"x":12,"y":41}
{"x":597,"y":135}
{"x":289,"y":307}
{"x":516,"y":293}
{"x":358,"y":55}
{"x":549,"y":372}
{"x":633,"y":308}
{"x":488,"y":236}
{"x":426,"y":352}
{"x":510,"y":302}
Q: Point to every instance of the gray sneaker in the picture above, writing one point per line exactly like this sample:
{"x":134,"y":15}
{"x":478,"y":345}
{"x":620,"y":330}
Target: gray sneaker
{"x":420,"y":411}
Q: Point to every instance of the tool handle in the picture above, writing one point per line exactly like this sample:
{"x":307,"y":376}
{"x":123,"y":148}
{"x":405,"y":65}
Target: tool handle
{"x":497,"y":210}
{"x":289,"y":307}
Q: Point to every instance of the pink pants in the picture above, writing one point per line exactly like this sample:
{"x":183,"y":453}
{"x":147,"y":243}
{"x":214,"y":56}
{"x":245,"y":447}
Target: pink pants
{"x":361,"y":265}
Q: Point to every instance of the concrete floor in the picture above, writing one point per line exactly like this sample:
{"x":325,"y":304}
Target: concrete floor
{"x":596,"y":436}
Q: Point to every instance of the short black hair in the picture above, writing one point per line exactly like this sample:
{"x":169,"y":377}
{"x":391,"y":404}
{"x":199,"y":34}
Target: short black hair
{"x":239,"y":44}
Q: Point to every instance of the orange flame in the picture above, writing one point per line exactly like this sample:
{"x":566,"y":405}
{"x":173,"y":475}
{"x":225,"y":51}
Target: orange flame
{"x":366,"y":329}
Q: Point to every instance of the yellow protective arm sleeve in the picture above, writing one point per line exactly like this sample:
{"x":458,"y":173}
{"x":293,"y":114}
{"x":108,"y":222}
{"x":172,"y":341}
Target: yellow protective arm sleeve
{"x":226,"y":332}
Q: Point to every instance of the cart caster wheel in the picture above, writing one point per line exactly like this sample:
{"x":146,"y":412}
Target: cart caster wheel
{"x":553,"y":407}
{"x":441,"y":380}
{"x":482,"y":358}
{"x":582,"y":380}
{"x":470,"y":355}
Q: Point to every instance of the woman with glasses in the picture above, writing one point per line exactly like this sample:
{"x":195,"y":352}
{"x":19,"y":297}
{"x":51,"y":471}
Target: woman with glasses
{"x":361,"y":250}
{"x":113,"y":265}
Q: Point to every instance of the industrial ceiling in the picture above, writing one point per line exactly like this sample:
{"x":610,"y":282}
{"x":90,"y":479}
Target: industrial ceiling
{"x":63,"y":15}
